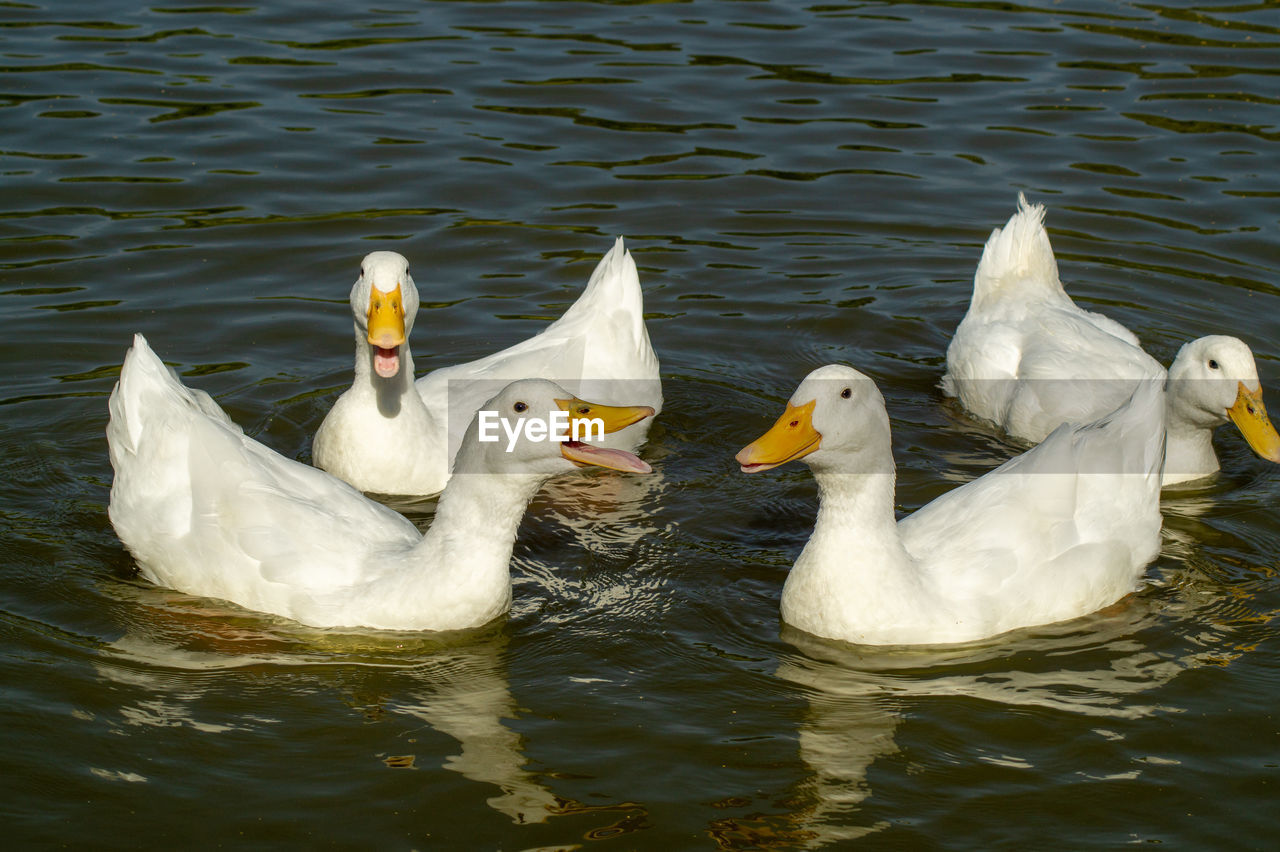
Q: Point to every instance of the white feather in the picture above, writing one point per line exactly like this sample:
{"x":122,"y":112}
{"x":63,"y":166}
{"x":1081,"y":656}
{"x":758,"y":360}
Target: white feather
{"x":1057,"y":532}
{"x":397,"y":436}
{"x":1029,"y":359}
{"x":208,"y":511}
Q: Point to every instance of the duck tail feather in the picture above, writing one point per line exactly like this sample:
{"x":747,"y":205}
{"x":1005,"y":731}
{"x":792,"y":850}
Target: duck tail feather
{"x":1017,"y":257}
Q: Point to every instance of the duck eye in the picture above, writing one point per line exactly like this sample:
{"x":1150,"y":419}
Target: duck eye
{"x":520,"y":406}
{"x":586,"y":409}
{"x":1213,"y":365}
{"x":846,"y":393}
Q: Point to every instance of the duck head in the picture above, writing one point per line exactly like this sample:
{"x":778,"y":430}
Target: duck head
{"x":384,"y":302}
{"x":1214,"y":379}
{"x":835,"y":420}
{"x":534,"y":426}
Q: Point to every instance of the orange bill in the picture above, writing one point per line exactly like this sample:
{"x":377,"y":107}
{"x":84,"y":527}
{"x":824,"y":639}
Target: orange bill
{"x":587,"y":418}
{"x":386,"y":318}
{"x":792,"y":437}
{"x":1250,"y":417}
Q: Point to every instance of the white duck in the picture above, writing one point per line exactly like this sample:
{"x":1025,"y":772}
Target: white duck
{"x":208,"y":511}
{"x":388,"y":435}
{"x":1057,"y":532}
{"x":1028,"y":359}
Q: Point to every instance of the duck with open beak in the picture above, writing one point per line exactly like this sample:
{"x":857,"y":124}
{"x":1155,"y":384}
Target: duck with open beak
{"x":386,"y":329}
{"x":609,"y":418}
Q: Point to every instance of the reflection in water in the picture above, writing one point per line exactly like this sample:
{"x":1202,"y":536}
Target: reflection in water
{"x":465,"y":695}
{"x":859,"y":695}
{"x":458,"y":685}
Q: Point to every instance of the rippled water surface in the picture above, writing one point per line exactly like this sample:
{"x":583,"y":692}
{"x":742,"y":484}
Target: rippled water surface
{"x":800,"y":183}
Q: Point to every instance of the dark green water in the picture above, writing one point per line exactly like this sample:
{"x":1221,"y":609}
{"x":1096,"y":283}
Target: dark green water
{"x":800,"y":183}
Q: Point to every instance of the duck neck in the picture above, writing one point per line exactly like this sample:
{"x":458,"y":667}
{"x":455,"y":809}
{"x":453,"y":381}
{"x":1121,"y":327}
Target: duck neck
{"x":479,"y":512}
{"x":477,"y":518}
{"x":389,"y":392}
{"x":1188,"y":452}
{"x":462,"y":564}
{"x":856,"y":520}
{"x":855,"y":571}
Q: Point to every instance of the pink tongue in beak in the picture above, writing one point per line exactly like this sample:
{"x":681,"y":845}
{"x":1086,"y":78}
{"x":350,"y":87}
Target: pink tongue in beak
{"x":604,"y":457}
{"x":386,"y":362}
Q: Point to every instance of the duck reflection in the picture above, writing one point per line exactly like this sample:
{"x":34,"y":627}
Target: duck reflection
{"x":849,"y":723}
{"x":457,"y":684}
{"x":465,"y":694}
{"x":857,"y":696}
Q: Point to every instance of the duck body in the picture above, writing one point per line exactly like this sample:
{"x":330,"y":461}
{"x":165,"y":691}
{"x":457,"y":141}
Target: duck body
{"x":599,"y":347}
{"x":1029,"y":359}
{"x":206,"y":510}
{"x":1055,"y":533}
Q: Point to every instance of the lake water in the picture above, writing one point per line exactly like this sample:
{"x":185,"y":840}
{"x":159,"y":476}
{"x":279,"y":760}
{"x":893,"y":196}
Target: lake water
{"x":800,"y":183}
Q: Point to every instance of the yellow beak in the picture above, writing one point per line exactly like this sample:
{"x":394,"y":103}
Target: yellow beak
{"x":792,"y":437}
{"x":1250,"y":417}
{"x":386,"y":318}
{"x":610,"y":418}
{"x":613,"y":417}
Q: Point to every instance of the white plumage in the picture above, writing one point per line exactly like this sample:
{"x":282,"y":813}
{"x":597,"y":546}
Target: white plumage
{"x":1057,"y":532}
{"x":206,"y":510}
{"x":1029,"y":359}
{"x":391,"y":435}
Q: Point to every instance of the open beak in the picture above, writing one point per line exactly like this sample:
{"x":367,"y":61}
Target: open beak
{"x":1250,"y":417}
{"x":589,"y":418}
{"x":386,"y":330}
{"x":792,"y":437}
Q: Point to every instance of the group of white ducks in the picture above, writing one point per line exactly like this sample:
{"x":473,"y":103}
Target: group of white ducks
{"x":1059,"y":531}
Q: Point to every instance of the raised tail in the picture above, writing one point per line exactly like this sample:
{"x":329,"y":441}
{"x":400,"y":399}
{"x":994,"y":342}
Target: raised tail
{"x":145,"y":386}
{"x":614,"y":285}
{"x":1017,"y":259}
{"x":141,"y":372}
{"x":608,"y":320}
